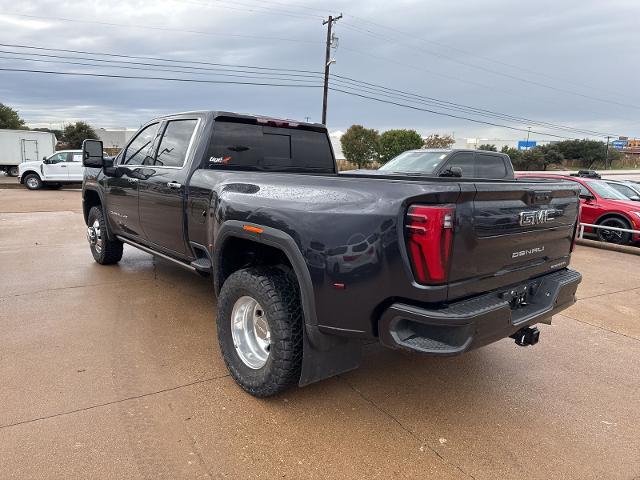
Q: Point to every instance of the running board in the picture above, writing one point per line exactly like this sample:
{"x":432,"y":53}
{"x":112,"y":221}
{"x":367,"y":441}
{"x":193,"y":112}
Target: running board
{"x":157,"y":254}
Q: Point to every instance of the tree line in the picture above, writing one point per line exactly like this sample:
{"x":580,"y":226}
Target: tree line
{"x":366,"y":147}
{"x":72,"y":135}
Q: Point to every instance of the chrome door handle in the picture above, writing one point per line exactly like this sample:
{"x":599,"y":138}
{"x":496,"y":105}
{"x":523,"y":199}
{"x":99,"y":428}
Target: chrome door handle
{"x":63,"y":166}
{"x":133,"y":180}
{"x":174,"y":185}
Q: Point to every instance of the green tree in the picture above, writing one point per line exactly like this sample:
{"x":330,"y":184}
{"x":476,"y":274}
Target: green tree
{"x":551,"y":155}
{"x":586,"y":153}
{"x":394,"y":142}
{"x":488,"y":147}
{"x":360,"y":145}
{"x":437,"y":141}
{"x":515,"y":155}
{"x":9,"y":118}
{"x":74,"y":134}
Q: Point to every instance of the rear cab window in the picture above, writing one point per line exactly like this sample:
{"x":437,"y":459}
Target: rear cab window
{"x":237,"y":145}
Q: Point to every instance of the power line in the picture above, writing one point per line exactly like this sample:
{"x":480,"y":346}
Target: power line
{"x":412,"y":107}
{"x":173,"y":79}
{"x":169,"y":60}
{"x":104,"y":75}
{"x":188,"y":69}
{"x":488,"y":70}
{"x":482,"y":57}
{"x":343,"y":81}
{"x":257,"y":75}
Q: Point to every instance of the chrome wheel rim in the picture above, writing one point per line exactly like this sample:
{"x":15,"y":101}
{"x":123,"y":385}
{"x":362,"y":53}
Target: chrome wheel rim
{"x":250,"y":332}
{"x":94,"y":236}
{"x":32,"y":182}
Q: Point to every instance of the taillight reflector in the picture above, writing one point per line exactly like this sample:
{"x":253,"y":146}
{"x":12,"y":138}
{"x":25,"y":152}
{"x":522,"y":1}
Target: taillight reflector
{"x":429,"y":236}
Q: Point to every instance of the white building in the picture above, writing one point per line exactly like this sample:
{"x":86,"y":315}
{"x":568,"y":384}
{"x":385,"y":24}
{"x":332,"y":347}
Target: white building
{"x":115,"y":137}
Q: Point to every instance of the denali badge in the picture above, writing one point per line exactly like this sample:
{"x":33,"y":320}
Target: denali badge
{"x":528,"y":251}
{"x":536,"y":217}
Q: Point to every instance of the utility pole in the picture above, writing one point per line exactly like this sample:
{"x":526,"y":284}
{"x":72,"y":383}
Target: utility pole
{"x":327,"y":63}
{"x":606,"y":154}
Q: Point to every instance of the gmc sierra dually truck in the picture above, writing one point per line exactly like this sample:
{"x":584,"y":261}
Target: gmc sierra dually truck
{"x":308,"y":263}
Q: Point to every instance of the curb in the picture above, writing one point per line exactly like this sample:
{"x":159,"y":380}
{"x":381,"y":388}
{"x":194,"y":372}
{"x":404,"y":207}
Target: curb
{"x":608,"y":246}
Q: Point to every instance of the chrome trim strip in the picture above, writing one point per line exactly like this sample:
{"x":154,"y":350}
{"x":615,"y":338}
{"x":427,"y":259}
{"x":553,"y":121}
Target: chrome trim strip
{"x":153,"y":252}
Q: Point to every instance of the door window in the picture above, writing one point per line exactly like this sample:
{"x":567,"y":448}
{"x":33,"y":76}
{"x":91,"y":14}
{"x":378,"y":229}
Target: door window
{"x":465,"y":161}
{"x":137,"y":152}
{"x":490,"y":166}
{"x":58,"y":158}
{"x":175,"y":142}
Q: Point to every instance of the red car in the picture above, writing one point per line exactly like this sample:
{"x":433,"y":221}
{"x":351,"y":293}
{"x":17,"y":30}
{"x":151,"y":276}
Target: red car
{"x":602,"y":205}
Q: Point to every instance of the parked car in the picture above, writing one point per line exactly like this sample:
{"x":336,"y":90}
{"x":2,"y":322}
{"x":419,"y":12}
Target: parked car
{"x":61,"y":168}
{"x":446,"y":162}
{"x":255,"y":203}
{"x":603,"y":205}
{"x":631,"y":190}
{"x":18,"y":146}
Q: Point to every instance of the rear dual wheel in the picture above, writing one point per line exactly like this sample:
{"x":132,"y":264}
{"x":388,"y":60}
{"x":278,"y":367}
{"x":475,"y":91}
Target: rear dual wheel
{"x":260,"y":329}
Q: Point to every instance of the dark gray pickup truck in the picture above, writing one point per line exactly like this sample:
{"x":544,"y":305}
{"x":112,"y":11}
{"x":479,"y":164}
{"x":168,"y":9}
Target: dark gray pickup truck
{"x":308,"y":264}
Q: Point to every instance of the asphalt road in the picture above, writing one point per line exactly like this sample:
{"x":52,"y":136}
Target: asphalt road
{"x":114,"y":372}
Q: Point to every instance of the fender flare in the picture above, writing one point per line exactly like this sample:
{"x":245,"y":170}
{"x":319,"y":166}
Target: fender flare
{"x":27,"y":172}
{"x":97,"y":191}
{"x":615,"y":214}
{"x":323,"y":355}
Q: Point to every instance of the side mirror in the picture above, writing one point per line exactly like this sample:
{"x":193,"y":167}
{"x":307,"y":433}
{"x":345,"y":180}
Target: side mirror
{"x":587,"y":198}
{"x":452,"y":172}
{"x":44,"y":159}
{"x":92,"y":154}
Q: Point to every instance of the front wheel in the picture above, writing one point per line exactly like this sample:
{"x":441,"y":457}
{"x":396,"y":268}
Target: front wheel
{"x":259,"y":329}
{"x":33,"y":182}
{"x":614,"y":236}
{"x":104,"y":251}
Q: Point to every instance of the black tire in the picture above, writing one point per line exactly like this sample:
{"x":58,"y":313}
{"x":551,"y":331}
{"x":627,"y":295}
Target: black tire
{"x":612,"y":236}
{"x":32,"y":181}
{"x":13,"y":171}
{"x":109,"y":251}
{"x":277,"y":293}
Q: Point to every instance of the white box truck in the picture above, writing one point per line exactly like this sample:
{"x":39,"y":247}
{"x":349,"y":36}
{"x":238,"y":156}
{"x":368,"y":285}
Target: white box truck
{"x":17,"y":146}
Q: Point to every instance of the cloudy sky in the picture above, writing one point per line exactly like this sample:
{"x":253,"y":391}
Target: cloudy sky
{"x":566,"y":62}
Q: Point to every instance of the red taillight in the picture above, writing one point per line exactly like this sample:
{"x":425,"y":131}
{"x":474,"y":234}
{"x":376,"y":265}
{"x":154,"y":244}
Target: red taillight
{"x":429,"y":235}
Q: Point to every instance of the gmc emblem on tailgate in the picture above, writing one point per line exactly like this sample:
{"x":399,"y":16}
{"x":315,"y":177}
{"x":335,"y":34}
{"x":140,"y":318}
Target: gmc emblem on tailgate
{"x":536,"y":217}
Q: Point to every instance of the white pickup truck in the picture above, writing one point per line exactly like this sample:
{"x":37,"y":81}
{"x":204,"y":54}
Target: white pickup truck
{"x":62,"y":167}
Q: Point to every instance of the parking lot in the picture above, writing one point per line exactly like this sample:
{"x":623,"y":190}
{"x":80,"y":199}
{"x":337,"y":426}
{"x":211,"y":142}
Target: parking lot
{"x":114,"y":372}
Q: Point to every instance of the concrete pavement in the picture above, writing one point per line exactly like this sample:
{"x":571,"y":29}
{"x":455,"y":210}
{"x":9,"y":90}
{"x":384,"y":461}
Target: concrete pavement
{"x":114,"y":372}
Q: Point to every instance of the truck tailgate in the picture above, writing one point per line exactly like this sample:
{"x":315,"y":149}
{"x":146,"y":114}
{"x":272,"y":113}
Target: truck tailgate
{"x":508,"y":232}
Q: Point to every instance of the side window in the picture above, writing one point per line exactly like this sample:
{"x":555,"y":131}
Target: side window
{"x":138,"y":150}
{"x":490,"y":166}
{"x":235,"y":144}
{"x":175,"y":143}
{"x":75,"y":157}
{"x":58,"y":158}
{"x":584,"y":191}
{"x":623,"y":189}
{"x":464,"y":160}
